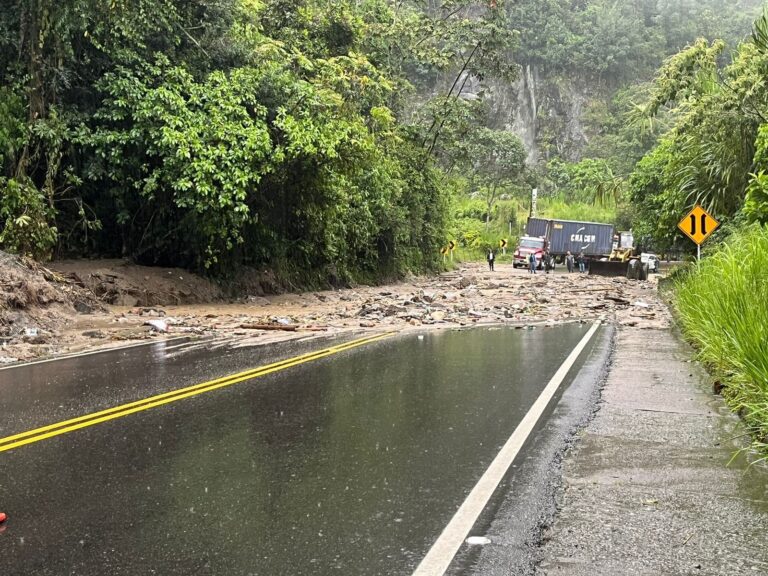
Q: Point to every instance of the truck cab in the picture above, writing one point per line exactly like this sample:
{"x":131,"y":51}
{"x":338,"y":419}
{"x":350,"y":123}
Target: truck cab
{"x":525,"y":246}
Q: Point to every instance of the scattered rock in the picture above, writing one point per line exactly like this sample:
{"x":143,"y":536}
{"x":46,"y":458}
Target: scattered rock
{"x":155,"y":312}
{"x":95,"y":334}
{"x":124,"y":300}
{"x":428,"y":296}
{"x":36,"y":338}
{"x":464,"y":282}
{"x":393,"y":310}
{"x":257,"y":300}
{"x":83,"y":307}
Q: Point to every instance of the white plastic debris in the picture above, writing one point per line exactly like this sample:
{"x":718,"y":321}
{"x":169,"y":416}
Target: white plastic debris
{"x":158,"y":325}
{"x":478,"y":540}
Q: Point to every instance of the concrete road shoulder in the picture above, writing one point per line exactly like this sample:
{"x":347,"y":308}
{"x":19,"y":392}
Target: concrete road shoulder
{"x":648,"y":489}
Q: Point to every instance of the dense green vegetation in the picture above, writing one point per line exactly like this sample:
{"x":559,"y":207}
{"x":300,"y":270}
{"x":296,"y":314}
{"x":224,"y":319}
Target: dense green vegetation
{"x":722,"y":305}
{"x":331,"y":140}
{"x":618,"y":43}
{"x":608,"y":52}
{"x":215,"y":134}
{"x":714,"y":151}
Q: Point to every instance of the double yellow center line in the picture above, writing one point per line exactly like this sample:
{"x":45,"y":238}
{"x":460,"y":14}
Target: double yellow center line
{"x":38,"y":434}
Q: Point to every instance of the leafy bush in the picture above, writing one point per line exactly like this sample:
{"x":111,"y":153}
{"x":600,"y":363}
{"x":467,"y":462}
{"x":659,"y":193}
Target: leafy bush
{"x":24,"y":217}
{"x":560,"y":208}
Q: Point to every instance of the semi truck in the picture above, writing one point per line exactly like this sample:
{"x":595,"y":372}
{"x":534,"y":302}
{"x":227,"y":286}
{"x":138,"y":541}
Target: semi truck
{"x":593,"y":239}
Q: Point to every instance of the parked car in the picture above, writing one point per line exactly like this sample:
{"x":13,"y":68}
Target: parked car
{"x":652,"y":260}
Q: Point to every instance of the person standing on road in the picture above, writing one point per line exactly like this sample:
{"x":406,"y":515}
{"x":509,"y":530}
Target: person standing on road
{"x":491,"y":257}
{"x":532,"y":262}
{"x":580,"y":261}
{"x":569,"y":261}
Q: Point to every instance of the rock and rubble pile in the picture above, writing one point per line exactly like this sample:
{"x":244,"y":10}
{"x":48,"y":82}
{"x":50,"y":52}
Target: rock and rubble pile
{"x":468,"y":296}
{"x":462,"y":298}
{"x":35,"y":305}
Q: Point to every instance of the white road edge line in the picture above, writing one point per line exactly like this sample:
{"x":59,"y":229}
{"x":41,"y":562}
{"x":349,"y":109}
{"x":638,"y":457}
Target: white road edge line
{"x":89,"y":353}
{"x":440,"y":556}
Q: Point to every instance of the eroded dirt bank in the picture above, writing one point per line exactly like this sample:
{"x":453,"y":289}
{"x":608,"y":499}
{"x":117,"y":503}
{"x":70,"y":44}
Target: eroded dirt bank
{"x":74,"y":306}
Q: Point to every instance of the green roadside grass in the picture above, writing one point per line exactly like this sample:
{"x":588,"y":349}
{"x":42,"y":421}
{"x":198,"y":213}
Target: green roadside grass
{"x":722,"y":305}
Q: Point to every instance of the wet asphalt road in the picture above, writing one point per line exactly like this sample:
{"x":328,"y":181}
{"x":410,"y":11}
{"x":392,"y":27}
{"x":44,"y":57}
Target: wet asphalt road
{"x":351,"y":464}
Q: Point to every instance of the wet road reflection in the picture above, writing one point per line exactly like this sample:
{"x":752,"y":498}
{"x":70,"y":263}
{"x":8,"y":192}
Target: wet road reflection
{"x":348,"y":465}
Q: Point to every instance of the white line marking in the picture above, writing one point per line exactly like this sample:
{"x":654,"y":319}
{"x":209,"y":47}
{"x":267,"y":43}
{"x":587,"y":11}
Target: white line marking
{"x":79,"y":354}
{"x":440,"y":556}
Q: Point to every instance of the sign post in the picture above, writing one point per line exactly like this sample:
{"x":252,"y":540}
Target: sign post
{"x":698,"y":225}
{"x":503,"y":246}
{"x":451,"y":247}
{"x":443,"y":251}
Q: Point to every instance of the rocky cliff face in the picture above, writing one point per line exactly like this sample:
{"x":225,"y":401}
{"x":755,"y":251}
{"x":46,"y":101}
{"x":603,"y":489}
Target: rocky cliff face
{"x":546,"y":112}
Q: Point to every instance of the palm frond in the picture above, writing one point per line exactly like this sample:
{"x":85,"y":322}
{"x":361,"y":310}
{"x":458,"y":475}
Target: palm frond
{"x":760,"y":31}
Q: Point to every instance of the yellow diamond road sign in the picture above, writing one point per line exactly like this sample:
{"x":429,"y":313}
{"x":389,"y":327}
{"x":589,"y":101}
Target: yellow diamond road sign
{"x":698,"y":224}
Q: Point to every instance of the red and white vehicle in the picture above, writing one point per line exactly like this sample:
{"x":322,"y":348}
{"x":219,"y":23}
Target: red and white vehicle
{"x":525,"y":246}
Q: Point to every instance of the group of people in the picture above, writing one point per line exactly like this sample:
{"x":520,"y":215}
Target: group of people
{"x":578,"y":260}
{"x":547,"y":261}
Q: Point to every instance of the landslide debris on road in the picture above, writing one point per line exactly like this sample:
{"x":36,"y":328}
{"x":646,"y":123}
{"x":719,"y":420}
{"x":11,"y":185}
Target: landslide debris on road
{"x":121,"y":283}
{"x":465,"y":297}
{"x":36,"y":304}
{"x":158,"y":302}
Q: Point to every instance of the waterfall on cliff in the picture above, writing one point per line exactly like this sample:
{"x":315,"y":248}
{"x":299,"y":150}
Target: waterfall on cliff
{"x":524,"y":124}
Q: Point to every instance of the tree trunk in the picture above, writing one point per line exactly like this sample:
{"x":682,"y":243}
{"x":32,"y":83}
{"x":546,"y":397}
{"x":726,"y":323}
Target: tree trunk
{"x":491,"y":200}
{"x":31,"y":44}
